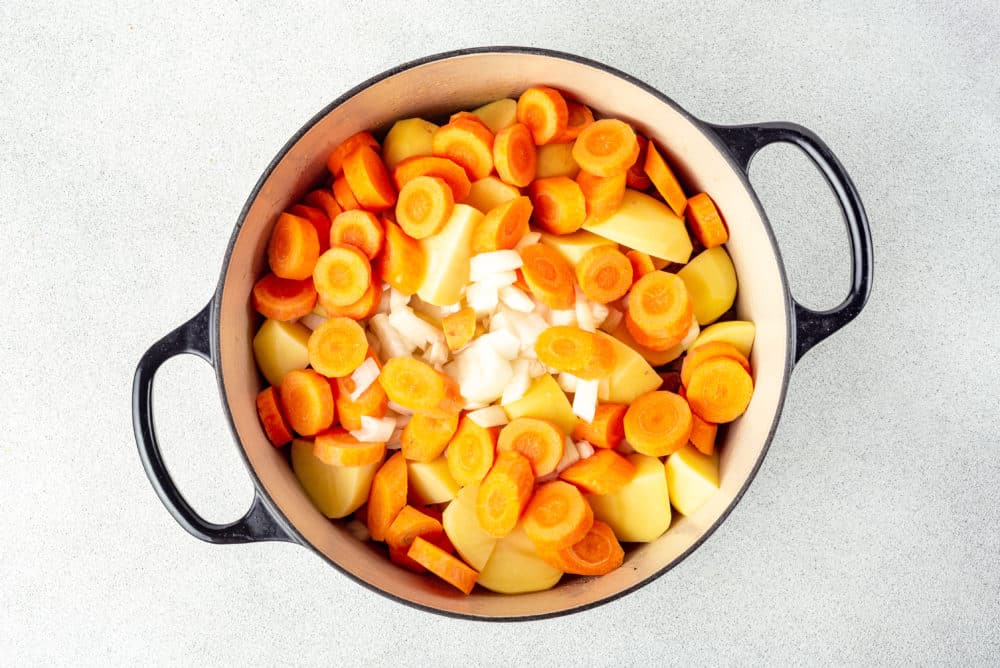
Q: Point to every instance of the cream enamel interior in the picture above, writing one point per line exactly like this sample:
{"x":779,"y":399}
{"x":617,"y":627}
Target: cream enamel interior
{"x":462,"y":82}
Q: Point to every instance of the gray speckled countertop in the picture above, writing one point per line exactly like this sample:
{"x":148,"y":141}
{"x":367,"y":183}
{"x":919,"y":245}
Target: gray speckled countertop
{"x":129,"y":139}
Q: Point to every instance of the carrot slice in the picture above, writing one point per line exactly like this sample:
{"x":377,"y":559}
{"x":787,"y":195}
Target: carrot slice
{"x":545,"y":112}
{"x":325,"y":202}
{"x":514,"y":155}
{"x":642,"y":264}
{"x":372,"y":402}
{"x":447,"y":170}
{"x":605,"y":472}
{"x":283,"y":298}
{"x":703,"y":435}
{"x":597,"y":553}
{"x":307,"y":399}
{"x":575,"y":351}
{"x":707,"y":351}
{"x":369,"y":180}
{"x":602,"y":194}
{"x":318,"y":219}
{"x":470,"y":451}
{"x":425,"y":437}
{"x":663,"y":178}
{"x":337,"y":347}
{"x":459,"y":327}
{"x":579,"y":116}
{"x":410,"y":524}
{"x":606,"y":147}
{"x":659,"y":310}
{"x":403,"y":261}
{"x":503,"y":226}
{"x":450,"y":569}
{"x":467,"y":143}
{"x":606,"y":430}
{"x":720,"y":390}
{"x":504,"y":493}
{"x":359,"y":310}
{"x":344,"y":195}
{"x":294,"y":247}
{"x":271,"y":418}
{"x":424,"y":206}
{"x":537,"y":439}
{"x":557,"y":516}
{"x":467,"y":116}
{"x":336,"y":160}
{"x":420,"y":387}
{"x":604,"y":274}
{"x":636,"y":177}
{"x":360,"y":229}
{"x":548,"y":276}
{"x":387,"y":496}
{"x":658,"y":423}
{"x":338,"y":448}
{"x":704,"y":220}
{"x":342,"y":275}
{"x":559,"y":204}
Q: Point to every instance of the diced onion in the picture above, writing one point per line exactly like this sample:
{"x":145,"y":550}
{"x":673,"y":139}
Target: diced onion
{"x":499,"y":279}
{"x":363,"y":377}
{"x":529,"y":239}
{"x":612,"y":320}
{"x":493,"y":262}
{"x":392,"y":343}
{"x":414,"y":328}
{"x":536,"y":369}
{"x":585,"y":449}
{"x":692,"y":334}
{"x":503,"y":341}
{"x":397,"y":300}
{"x":481,"y":372}
{"x":448,"y":309}
{"x":562,"y":317}
{"x":436,"y":354}
{"x":515,"y":298}
{"x":570,"y":455}
{"x":373,"y":342}
{"x":585,"y":399}
{"x":567,"y":381}
{"x":483,"y":298}
{"x":375,"y":430}
{"x":491,"y":416}
{"x":519,"y":383}
{"x":312,"y":320}
{"x":599,"y":312}
{"x":527,"y":327}
{"x":584,"y":316}
{"x":383,"y":304}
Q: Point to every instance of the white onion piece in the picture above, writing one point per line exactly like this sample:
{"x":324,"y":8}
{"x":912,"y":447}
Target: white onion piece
{"x":493,"y":262}
{"x":397,"y":300}
{"x":414,"y":328}
{"x":612,"y":320}
{"x":527,"y":327}
{"x":584,"y":316}
{"x":499,"y":320}
{"x":503,"y":341}
{"x":516,"y":299}
{"x":375,"y":430}
{"x":567,"y":382}
{"x":392,"y":343}
{"x":529,"y":239}
{"x":562,"y":317}
{"x":483,"y":298}
{"x":418,"y":305}
{"x":436,"y":354}
{"x":312,"y":320}
{"x":585,"y":449}
{"x":396,"y":408}
{"x":448,"y":309}
{"x":599,"y":312}
{"x":536,"y":369}
{"x":585,"y":399}
{"x":481,"y":372}
{"x":383,"y":304}
{"x":692,"y":334}
{"x":373,"y":342}
{"x":519,"y":383}
{"x":498,"y":280}
{"x":363,"y":377}
{"x":570,"y":455}
{"x":491,"y":416}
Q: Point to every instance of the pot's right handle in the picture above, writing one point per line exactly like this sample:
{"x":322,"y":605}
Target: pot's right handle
{"x":814,"y":326}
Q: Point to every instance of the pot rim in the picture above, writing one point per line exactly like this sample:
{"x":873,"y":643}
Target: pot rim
{"x":710,"y":134}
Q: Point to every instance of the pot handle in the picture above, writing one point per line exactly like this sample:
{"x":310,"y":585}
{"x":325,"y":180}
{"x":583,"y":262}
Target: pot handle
{"x":812,"y":327}
{"x":258,"y":524}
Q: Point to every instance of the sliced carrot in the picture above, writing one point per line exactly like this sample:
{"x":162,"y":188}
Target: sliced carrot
{"x":575,"y":351}
{"x":459,"y":327}
{"x":537,"y":439}
{"x":707,"y":351}
{"x":703,"y":435}
{"x":338,"y":448}
{"x":504,"y":493}
{"x":420,"y":387}
{"x":604,"y":274}
{"x":557,"y":516}
{"x":603,"y":194}
{"x":450,"y":569}
{"x":559,"y":205}
{"x":548,"y":275}
{"x":360,"y":229}
{"x":319,"y":220}
{"x":307,"y":399}
{"x":604,"y":472}
{"x":410,"y":524}
{"x":545,"y":112}
{"x":337,"y":347}
{"x":503,"y":226}
{"x":283,"y":298}
{"x":663,"y":178}
{"x":336,"y":160}
{"x":636,"y":177}
{"x":359,"y":310}
{"x":658,"y":423}
{"x":369,"y":180}
{"x":704,"y":220}
{"x":468,"y":143}
{"x":642,"y":264}
{"x":403,"y":261}
{"x":294,"y":247}
{"x":325,"y":202}
{"x":424,"y":206}
{"x":425,"y":437}
{"x":606,"y":147}
{"x":342,"y":275}
{"x":597,"y":553}
{"x":448,"y":170}
{"x":372,"y":402}
{"x":470,"y":451}
{"x":271,"y":418}
{"x":659,"y":310}
{"x":720,"y":390}
{"x":467,"y":116}
{"x":514,"y":155}
{"x":344,"y":195}
{"x":579,"y":116}
{"x":387,"y":496}
{"x":606,"y":430}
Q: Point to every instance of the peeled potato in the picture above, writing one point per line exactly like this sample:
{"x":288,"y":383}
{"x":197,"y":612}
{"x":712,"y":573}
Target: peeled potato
{"x":739,"y":333}
{"x":462,"y":527}
{"x":546,"y":400}
{"x":515,"y":567}
{"x":639,"y":512}
{"x":498,"y":114}
{"x":489,"y":193}
{"x":692,"y":478}
{"x":556,"y":160}
{"x":407,"y":138}
{"x":575,"y":245}
{"x":631,"y":376}
{"x":710,"y":279}
{"x":448,"y":253}
{"x":337,"y":491}
{"x":430,"y":482}
{"x":648,"y":225}
{"x":280,"y":347}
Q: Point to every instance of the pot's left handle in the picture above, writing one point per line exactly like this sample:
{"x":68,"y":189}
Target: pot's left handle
{"x":258,"y":524}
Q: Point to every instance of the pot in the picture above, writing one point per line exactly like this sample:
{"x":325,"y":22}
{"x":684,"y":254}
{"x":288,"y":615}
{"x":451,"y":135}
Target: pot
{"x":707,"y":157}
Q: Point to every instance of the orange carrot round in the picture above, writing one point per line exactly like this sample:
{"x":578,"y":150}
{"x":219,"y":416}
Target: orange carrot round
{"x":707,"y":351}
{"x":663,"y":178}
{"x":359,"y":310}
{"x":403,"y":261}
{"x":360,"y":229}
{"x":318,"y":219}
{"x":606,"y":430}
{"x":336,"y":160}
{"x":294,"y":247}
{"x":703,"y":435}
{"x":467,"y":116}
{"x":342,"y":274}
{"x":504,"y":493}
{"x":658,"y":423}
{"x":470,"y":451}
{"x":425,"y":438}
{"x":545,"y":112}
{"x":450,"y":569}
{"x":419,"y":386}
{"x":559,"y":205}
{"x":659,"y":310}
{"x":606,"y":147}
{"x":503,"y":226}
{"x":605,"y":472}
{"x":409,"y":525}
{"x":548,"y":276}
{"x":424,"y":206}
{"x":604,"y":274}
{"x":579,"y":116}
{"x":537,"y":439}
{"x":642,"y":264}
{"x":636,"y":177}
{"x":387,"y":496}
{"x":366,"y":174}
{"x":720,"y":390}
{"x":597,"y":553}
{"x":283,"y":298}
{"x":557,"y":516}
{"x":602,"y":194}
{"x":372,"y":402}
{"x":447,"y":170}
{"x":705,"y":222}
{"x":325,"y":202}
{"x":338,"y":448}
{"x":514,"y":155}
{"x":337,"y":347}
{"x":468,"y":143}
{"x":459,"y":327}
{"x":344,"y":195}
{"x":271,"y":418}
{"x":565,"y":348}
{"x":602,"y":359}
{"x":307,"y":399}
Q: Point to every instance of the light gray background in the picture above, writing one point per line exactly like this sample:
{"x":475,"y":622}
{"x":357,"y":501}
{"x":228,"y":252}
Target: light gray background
{"x":130,"y":137}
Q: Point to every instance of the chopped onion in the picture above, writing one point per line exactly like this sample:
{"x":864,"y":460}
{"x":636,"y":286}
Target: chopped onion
{"x":570,"y":455}
{"x":483,"y":298}
{"x":560,"y":317}
{"x":397,"y":300}
{"x":491,"y":416}
{"x":517,"y":299}
{"x":375,"y":430}
{"x":503,"y":341}
{"x":499,"y":320}
{"x":373,"y":342}
{"x":436,"y":354}
{"x":358,"y":530}
{"x":383,"y":304}
{"x":481,"y":372}
{"x":363,"y":377}
{"x":612,"y":320}
{"x":584,"y":316}
{"x":448,"y":309}
{"x":312,"y":320}
{"x":415,"y":329}
{"x":493,"y":262}
{"x":567,"y":381}
{"x":499,"y":279}
{"x":529,"y":239}
{"x":519,"y":383}
{"x":585,"y":399}
{"x":396,"y":408}
{"x":536,"y":369}
{"x":585,"y":449}
{"x":599,"y":312}
{"x":527,"y":327}
{"x":418,"y":305}
{"x":692,"y":334}
{"x":393,"y":344}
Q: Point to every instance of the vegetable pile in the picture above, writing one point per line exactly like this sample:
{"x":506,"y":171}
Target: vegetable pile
{"x":484,"y":342}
